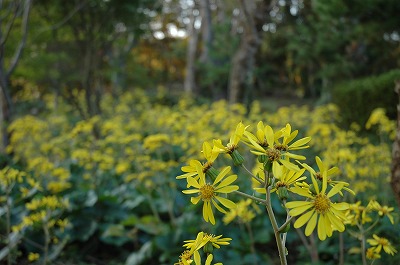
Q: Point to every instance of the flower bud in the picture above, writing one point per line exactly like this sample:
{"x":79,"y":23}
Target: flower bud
{"x":237,"y":158}
{"x":262,"y":158}
{"x":212,"y":172}
{"x":285,"y":229}
{"x":282,"y":193}
{"x":208,"y":248}
{"x":268,"y":166}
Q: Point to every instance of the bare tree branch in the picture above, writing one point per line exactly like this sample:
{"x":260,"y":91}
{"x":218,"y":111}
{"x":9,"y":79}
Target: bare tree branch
{"x":18,"y":51}
{"x":10,"y":23}
{"x":64,"y":20}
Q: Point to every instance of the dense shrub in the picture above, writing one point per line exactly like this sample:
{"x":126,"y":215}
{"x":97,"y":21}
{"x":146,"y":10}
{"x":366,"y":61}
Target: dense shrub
{"x":356,"y":99}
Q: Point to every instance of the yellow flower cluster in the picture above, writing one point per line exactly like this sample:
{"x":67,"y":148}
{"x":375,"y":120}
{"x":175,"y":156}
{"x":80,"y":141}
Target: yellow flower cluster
{"x":205,"y":242}
{"x":143,"y":143}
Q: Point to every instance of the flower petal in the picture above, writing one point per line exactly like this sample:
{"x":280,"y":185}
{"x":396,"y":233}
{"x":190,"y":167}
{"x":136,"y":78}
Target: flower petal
{"x":222,"y":174}
{"x":311,"y":224}
{"x":303,"y":219}
{"x":227,"y":181}
{"x":299,"y":210}
{"x":228,"y":189}
{"x":335,"y":190}
{"x":227,"y":203}
{"x":321,"y":228}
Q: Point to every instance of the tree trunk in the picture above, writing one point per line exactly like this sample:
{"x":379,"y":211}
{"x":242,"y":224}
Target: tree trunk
{"x":395,"y":181}
{"x":207,"y":32}
{"x":243,"y":62}
{"x":189,"y":83}
{"x":6,"y":103}
{"x":5,"y":111}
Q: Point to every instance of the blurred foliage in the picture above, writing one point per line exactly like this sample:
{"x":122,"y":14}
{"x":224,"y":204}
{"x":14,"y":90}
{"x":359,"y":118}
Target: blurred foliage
{"x":358,"y":98}
{"x":116,"y":174}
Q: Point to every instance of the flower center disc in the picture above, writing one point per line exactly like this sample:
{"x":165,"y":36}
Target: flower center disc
{"x":185,"y":256}
{"x":273,"y":154}
{"x":207,"y":192}
{"x":321,"y":203}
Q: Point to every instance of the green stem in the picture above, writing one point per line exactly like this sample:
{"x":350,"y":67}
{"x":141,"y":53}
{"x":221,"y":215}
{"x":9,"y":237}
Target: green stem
{"x":254,"y":177}
{"x":372,"y":226}
{"x":288,"y":220}
{"x":363,"y":247}
{"x":281,"y":248}
{"x":251,"y":197}
{"x":46,"y":242}
{"x":8,"y":226}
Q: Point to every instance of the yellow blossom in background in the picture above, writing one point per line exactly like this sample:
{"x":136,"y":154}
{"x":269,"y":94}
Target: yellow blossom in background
{"x":382,"y":210}
{"x":386,"y":126}
{"x":153,"y":142}
{"x":33,"y":256}
{"x":210,"y":193}
{"x":380,"y":243}
{"x":372,"y":254}
{"x":243,"y":212}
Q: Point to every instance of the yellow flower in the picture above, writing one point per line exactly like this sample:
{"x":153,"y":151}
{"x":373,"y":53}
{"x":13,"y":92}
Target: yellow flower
{"x":382,"y":210}
{"x":194,"y":165}
{"x":372,"y":254}
{"x":261,"y":135}
{"x":33,"y":256}
{"x":208,"y":260}
{"x":287,"y":179}
{"x":208,"y":193}
{"x":233,"y":140}
{"x":329,"y":172}
{"x":242,"y":212}
{"x":381,"y":242}
{"x":186,"y":257}
{"x":277,"y":152}
{"x":231,"y":147}
{"x":289,"y":136}
{"x":320,"y":209}
{"x":214,"y":241}
{"x":191,"y":170}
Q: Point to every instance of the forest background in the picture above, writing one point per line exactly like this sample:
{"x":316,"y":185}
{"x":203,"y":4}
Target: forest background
{"x":102,"y":102}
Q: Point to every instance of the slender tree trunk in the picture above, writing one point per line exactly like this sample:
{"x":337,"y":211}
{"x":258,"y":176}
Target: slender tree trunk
{"x":243,"y":62}
{"x":189,"y":83}
{"x":6,"y":103}
{"x":395,"y":181}
{"x":207,"y":32}
{"x":5,"y":111}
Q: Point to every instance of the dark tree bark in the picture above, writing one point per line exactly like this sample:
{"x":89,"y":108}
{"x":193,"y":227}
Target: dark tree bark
{"x":395,"y":180}
{"x":207,"y":31}
{"x":190,"y":76}
{"x":6,"y":105}
{"x":254,"y":15}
